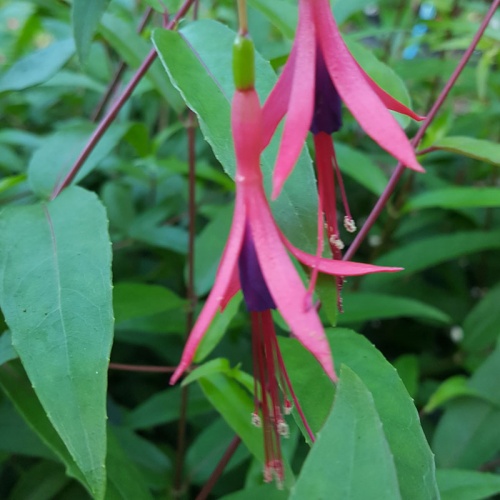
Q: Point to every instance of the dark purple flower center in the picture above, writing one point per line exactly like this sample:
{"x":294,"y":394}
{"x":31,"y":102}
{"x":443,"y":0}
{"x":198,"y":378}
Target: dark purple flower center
{"x":255,"y":292}
{"x":327,"y":116}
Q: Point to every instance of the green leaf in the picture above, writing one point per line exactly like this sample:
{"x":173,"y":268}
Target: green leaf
{"x":481,"y":324}
{"x":343,"y":10}
{"x":85,"y":16}
{"x":208,"y":449}
{"x":456,"y":484}
{"x":312,"y":386}
{"x":428,"y":252}
{"x":217,"y":328}
{"x":46,"y":478}
{"x":7,"y":352}
{"x":364,"y":306}
{"x":451,"y":388}
{"x":51,"y":162}
{"x":468,"y":434}
{"x":17,"y":386}
{"x":267,"y":492}
{"x":218,"y":365}
{"x":412,"y":456}
{"x":236,"y":406}
{"x":199,"y":61}
{"x":16,"y":437}
{"x":478,"y":149}
{"x":408,"y":370}
{"x":56,"y":297}
{"x":37,"y":67}
{"x":125,"y":482}
{"x":281,"y":13}
{"x":211,"y":242}
{"x":455,"y":197}
{"x":351,"y":457}
{"x":360,"y":167}
{"x":163,"y":408}
{"x":136,"y":300}
{"x":133,"y":50}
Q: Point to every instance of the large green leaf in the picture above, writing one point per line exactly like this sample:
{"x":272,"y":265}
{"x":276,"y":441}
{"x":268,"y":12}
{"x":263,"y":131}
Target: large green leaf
{"x":412,"y":456}
{"x":55,"y":294}
{"x":456,"y":484}
{"x":37,"y":67}
{"x":351,"y":457}
{"x":85,"y":16}
{"x":455,"y":197}
{"x":199,"y":61}
{"x":475,"y":148}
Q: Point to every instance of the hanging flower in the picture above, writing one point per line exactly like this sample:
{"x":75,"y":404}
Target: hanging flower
{"x":256,"y":260}
{"x":319,"y":73}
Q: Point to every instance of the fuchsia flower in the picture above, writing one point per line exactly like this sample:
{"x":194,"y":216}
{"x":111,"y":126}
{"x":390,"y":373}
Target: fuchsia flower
{"x":319,"y":75}
{"x":256,"y":260}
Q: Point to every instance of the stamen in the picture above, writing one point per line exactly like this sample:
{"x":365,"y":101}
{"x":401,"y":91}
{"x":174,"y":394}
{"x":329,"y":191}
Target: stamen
{"x":256,"y":420}
{"x":336,"y":242}
{"x":283,"y":429}
{"x":349,"y":224}
{"x":288,"y":406}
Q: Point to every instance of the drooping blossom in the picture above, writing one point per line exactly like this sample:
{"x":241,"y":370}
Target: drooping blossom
{"x":319,"y":75}
{"x":256,"y":261}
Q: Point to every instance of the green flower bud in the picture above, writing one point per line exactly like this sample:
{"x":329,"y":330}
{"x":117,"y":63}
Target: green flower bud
{"x":243,"y":63}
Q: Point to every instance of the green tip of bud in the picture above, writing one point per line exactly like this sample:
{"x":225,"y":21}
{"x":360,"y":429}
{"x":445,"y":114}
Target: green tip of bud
{"x":243,"y":63}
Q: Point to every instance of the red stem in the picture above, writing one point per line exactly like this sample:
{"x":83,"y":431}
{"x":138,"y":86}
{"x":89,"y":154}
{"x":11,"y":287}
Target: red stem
{"x":117,"y":106}
{"x":398,"y":172}
{"x":119,"y":72}
{"x":233,"y":446}
{"x":142,"y":368}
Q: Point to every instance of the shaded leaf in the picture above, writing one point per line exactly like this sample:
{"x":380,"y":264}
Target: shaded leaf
{"x":455,"y":484}
{"x":451,"y":388}
{"x":85,"y":16}
{"x":38,"y":66}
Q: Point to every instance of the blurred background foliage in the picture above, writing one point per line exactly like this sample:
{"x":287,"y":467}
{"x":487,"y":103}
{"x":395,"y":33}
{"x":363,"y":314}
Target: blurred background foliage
{"x":437,"y":322}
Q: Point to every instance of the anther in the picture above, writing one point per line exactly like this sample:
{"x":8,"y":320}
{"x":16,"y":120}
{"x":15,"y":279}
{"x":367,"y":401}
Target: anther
{"x":336,"y":242}
{"x":256,"y":420}
{"x":349,"y":224}
{"x":283,"y":429}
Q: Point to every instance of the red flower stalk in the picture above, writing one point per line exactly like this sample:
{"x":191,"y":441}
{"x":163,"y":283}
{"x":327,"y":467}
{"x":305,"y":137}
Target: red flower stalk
{"x":256,"y":260}
{"x":319,"y":75}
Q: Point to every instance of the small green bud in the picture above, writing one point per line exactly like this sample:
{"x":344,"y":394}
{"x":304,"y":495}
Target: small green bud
{"x":243,"y":63}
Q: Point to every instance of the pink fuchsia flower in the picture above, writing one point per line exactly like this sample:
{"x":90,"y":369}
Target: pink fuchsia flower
{"x":319,"y":73}
{"x":256,"y":260}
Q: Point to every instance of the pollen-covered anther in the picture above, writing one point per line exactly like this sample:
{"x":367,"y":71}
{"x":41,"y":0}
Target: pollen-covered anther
{"x":336,"y":242}
{"x":256,"y":420}
{"x":288,"y":407}
{"x":349,"y":224}
{"x":283,"y":429}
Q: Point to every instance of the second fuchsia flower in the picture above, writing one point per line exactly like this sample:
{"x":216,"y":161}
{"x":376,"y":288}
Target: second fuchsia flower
{"x":319,"y":75}
{"x":256,"y":261}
